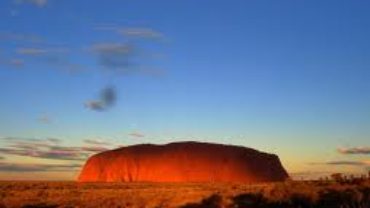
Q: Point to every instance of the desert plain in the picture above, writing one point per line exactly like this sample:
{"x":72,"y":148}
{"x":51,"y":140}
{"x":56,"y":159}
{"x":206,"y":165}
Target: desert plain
{"x":324,"y":193}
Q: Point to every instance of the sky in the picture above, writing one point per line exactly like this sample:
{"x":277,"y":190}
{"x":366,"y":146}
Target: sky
{"x":286,"y":77}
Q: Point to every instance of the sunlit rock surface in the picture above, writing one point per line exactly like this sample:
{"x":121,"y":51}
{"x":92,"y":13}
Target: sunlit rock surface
{"x":183,"y":162}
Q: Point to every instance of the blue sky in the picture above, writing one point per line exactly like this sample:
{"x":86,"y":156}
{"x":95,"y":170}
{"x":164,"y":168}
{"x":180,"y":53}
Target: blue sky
{"x":288,"y":77}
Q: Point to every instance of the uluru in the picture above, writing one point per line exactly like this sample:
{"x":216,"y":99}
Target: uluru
{"x":183,"y":162}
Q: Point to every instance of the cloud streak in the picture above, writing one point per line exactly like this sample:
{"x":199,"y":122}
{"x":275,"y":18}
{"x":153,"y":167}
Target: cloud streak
{"x":132,"y":32}
{"x":56,"y":57}
{"x":32,"y":51}
{"x":13,"y":167}
{"x":350,"y":163}
{"x":94,"y":149}
{"x":96,"y":142}
{"x":141,"y":33}
{"x":117,"y":57}
{"x":354,"y":150}
{"x":40,"y":51}
{"x":49,"y":148}
{"x":345,"y":163}
{"x":46,"y":154}
{"x":128,"y":57}
{"x":136,"y":134}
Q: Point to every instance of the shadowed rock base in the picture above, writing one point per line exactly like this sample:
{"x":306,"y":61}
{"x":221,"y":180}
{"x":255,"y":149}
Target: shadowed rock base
{"x":183,"y":162}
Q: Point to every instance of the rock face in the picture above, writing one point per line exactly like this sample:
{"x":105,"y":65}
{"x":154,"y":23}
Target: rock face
{"x":183,"y":162}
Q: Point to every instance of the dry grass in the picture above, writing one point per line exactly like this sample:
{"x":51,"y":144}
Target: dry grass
{"x":187,"y":195}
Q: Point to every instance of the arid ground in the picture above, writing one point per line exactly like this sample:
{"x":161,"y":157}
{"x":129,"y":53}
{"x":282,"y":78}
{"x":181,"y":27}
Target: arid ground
{"x":289,"y":194}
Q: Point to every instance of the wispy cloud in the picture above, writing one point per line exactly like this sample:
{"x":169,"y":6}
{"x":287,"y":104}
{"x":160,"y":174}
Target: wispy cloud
{"x":12,"y":151}
{"x":49,"y":148}
{"x":32,"y":51}
{"x":350,"y":163}
{"x":40,"y":51}
{"x":56,"y":57}
{"x":95,"y":145}
{"x":52,"y":54}
{"x":134,"y":32}
{"x":141,"y":33}
{"x":31,"y":141}
{"x":344,"y":163}
{"x":54,"y":140}
{"x":96,"y":142}
{"x":94,"y":149}
{"x":95,"y":105}
{"x":123,"y":59}
{"x":128,"y":57}
{"x":38,"y":3}
{"x":32,"y":151}
{"x":106,"y":100}
{"x":354,"y":150}
{"x":136,"y":134}
{"x":61,"y":61}
{"x":60,"y":155}
{"x":14,"y":167}
{"x":118,"y":57}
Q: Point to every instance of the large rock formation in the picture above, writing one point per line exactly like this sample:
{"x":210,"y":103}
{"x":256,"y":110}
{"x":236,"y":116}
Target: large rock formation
{"x":183,"y":162}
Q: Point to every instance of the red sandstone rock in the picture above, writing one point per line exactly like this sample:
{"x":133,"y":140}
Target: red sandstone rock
{"x":183,"y":162}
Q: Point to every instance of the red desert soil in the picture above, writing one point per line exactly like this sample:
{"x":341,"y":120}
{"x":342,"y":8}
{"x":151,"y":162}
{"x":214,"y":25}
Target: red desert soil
{"x":183,"y":162}
{"x":288,"y":194}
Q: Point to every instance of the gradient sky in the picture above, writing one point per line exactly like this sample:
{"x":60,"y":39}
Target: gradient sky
{"x":287,"y":77}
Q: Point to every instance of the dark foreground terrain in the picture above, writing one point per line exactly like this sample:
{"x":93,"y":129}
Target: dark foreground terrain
{"x":328,"y":194}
